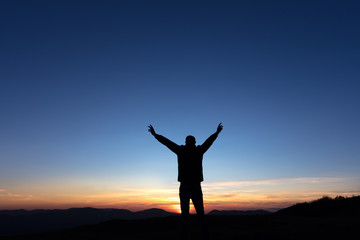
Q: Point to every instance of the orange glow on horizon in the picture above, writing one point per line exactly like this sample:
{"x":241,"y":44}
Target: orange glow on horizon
{"x":210,"y":204}
{"x":176,"y":208}
{"x":268,"y":194}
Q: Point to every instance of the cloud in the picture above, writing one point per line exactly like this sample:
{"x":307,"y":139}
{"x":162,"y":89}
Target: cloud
{"x":7,"y":196}
{"x":273,"y":181}
{"x":271,"y":193}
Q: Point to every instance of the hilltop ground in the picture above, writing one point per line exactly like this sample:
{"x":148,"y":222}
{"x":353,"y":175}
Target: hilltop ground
{"x":220,"y":227}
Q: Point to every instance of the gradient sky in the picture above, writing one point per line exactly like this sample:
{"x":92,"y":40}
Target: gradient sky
{"x":81,"y":80}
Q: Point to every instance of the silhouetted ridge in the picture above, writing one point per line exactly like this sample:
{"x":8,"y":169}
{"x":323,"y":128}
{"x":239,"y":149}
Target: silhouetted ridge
{"x":153,"y":212}
{"x":26,"y":221}
{"x":326,"y":206}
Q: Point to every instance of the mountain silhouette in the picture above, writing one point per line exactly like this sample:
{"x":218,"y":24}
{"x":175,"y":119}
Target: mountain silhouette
{"x":325,"y":207}
{"x":28,"y":221}
{"x":221,"y":227}
{"x":325,"y":218}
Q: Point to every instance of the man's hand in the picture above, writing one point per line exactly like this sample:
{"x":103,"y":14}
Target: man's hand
{"x":151,"y":130}
{"x":219,"y":128}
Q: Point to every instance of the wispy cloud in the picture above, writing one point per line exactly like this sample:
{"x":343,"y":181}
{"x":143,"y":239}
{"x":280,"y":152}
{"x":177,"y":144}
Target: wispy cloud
{"x":8,"y":196}
{"x":272,"y":193}
{"x":273,"y":181}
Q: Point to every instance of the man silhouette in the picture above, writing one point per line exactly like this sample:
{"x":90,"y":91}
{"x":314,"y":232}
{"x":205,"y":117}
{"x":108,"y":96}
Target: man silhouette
{"x":190,"y":174}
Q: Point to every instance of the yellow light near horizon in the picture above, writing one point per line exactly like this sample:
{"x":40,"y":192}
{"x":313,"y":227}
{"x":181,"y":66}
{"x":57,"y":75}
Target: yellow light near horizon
{"x":236,"y":195}
{"x":176,"y":208}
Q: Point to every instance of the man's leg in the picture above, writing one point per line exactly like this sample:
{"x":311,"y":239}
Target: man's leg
{"x":185,"y":208}
{"x":199,"y":207}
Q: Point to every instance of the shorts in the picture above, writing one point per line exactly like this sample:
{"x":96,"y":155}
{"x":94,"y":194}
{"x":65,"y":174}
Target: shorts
{"x":190,"y":190}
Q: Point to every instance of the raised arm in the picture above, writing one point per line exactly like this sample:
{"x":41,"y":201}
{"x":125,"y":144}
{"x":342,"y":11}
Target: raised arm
{"x":171,"y":145}
{"x":206,"y":145}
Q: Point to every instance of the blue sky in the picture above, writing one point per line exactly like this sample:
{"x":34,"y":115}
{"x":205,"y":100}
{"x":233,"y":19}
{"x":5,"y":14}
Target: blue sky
{"x":81,"y":80}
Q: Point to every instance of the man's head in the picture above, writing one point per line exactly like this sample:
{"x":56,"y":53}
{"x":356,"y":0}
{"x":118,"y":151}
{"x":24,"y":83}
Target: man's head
{"x":190,"y":141}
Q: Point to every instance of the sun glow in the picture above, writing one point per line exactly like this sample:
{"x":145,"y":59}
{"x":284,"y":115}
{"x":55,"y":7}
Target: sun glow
{"x":267,"y":194}
{"x":176,"y":208}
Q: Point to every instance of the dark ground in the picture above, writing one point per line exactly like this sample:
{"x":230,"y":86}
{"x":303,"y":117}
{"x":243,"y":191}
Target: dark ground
{"x":220,"y":227}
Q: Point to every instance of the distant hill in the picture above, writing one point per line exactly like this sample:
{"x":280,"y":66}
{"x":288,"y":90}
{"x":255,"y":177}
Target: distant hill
{"x":325,"y":207}
{"x":337,"y":214}
{"x":238,"y":213}
{"x":31,"y":221}
{"x":27,"y":221}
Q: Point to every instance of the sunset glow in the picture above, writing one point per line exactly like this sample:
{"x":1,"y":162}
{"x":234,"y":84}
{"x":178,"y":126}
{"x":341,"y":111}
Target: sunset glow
{"x":268,"y":194}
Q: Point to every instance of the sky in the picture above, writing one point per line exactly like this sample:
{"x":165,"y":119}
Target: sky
{"x":80,"y":81}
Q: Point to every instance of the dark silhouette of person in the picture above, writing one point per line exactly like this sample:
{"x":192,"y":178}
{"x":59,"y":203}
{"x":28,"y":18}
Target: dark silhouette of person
{"x":190,"y":175}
